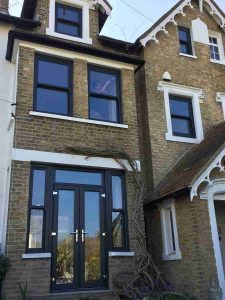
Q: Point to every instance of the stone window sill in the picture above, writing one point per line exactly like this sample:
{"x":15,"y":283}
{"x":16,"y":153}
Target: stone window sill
{"x":188,"y":55}
{"x":116,"y":254}
{"x":85,"y":40}
{"x":174,"y":256}
{"x":36,"y":255}
{"x":74,"y":119}
{"x":219,"y":62}
{"x":181,"y":139}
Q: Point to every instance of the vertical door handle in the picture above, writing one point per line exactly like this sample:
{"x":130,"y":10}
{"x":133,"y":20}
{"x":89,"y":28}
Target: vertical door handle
{"x":83,"y":234}
{"x":76,"y":233}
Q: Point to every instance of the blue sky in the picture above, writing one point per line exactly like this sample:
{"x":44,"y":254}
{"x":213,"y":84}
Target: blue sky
{"x":126,"y":23}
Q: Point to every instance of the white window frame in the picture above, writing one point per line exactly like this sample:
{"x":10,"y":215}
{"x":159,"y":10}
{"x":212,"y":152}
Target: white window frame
{"x":218,"y":36}
{"x":220,"y":97}
{"x":196,"y":96}
{"x":85,"y":6}
{"x":167,"y":239}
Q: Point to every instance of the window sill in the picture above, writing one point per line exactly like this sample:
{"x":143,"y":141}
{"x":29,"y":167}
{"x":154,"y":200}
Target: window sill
{"x":220,"y":62}
{"x":120,"y":254}
{"x":85,"y":40}
{"x":36,"y":255}
{"x":73,"y":119}
{"x":175,"y":256}
{"x":188,"y":55}
{"x":181,"y":139}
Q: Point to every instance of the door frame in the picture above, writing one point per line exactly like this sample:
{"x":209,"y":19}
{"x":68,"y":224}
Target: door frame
{"x":217,"y":187}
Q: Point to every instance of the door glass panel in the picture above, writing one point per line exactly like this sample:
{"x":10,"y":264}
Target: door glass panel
{"x":117,"y":192}
{"x":65,"y":245}
{"x":38,"y":192}
{"x":78,"y":177}
{"x":36,"y":229}
{"x":117,"y":229}
{"x":92,"y":264}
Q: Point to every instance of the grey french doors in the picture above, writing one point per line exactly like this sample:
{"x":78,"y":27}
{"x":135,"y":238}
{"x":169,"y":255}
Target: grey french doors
{"x":79,"y":237}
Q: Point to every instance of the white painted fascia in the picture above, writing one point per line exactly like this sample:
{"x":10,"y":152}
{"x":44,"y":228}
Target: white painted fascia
{"x":71,"y":159}
{"x":74,"y":55}
{"x":220,"y":97}
{"x":75,"y":119}
{"x":197,"y":97}
{"x":104,"y":5}
{"x":205,"y":176}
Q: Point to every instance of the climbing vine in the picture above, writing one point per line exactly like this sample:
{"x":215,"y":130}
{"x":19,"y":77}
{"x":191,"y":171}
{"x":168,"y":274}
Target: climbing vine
{"x":147,"y":275}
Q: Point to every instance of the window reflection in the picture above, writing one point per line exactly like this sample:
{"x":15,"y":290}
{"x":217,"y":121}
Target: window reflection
{"x":38,"y":193}
{"x":36,"y":229}
{"x":117,"y":229}
{"x":78,"y":177}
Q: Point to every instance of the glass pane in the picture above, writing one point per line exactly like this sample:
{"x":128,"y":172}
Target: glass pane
{"x":184,"y":49}
{"x":103,"y":83}
{"x":179,"y":106}
{"x":38,"y":192}
{"x":65,"y":243}
{"x":68,"y":13}
{"x":78,"y":177}
{"x":53,"y":73}
{"x":103,"y":109}
{"x":36,"y":229}
{"x":183,"y":35}
{"x":68,"y":29}
{"x":117,"y":194}
{"x":181,"y":126}
{"x":92,"y":238}
{"x":117,"y":229}
{"x":52,"y":101}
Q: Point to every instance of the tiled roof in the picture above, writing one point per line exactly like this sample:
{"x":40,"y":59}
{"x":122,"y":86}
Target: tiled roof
{"x":192,"y":164}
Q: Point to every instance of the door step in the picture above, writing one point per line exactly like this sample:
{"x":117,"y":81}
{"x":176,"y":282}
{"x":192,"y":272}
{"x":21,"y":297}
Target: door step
{"x":84,"y":295}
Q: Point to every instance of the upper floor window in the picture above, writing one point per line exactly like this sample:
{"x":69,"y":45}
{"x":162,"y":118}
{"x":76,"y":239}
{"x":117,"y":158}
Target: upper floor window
{"x":68,"y":20}
{"x":53,"y":85}
{"x":182,"y":116}
{"x":214,"y":48}
{"x":104,"y":94}
{"x":185,"y":40}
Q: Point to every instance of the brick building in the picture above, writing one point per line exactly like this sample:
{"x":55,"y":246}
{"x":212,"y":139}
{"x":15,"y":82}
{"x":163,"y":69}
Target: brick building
{"x":160,"y":100}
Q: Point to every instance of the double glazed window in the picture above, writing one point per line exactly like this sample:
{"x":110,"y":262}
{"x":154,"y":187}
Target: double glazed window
{"x":53,"y":89}
{"x":41,"y":207}
{"x":37,"y":209}
{"x":68,"y":20}
{"x":182,"y":116}
{"x":53,"y":86}
{"x":104,"y":94}
{"x":185,"y":40}
{"x":214,"y":48}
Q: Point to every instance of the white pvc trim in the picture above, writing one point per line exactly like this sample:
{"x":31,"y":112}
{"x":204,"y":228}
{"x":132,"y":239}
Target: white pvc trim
{"x":217,"y":186}
{"x":196,"y":96}
{"x":111,"y":253}
{"x":85,"y":6}
{"x":36,"y":255}
{"x":80,"y":120}
{"x":167,"y":254}
{"x":220,"y":97}
{"x":69,"y":159}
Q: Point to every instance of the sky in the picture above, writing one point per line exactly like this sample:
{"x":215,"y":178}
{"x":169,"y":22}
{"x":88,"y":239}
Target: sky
{"x":125,"y":23}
